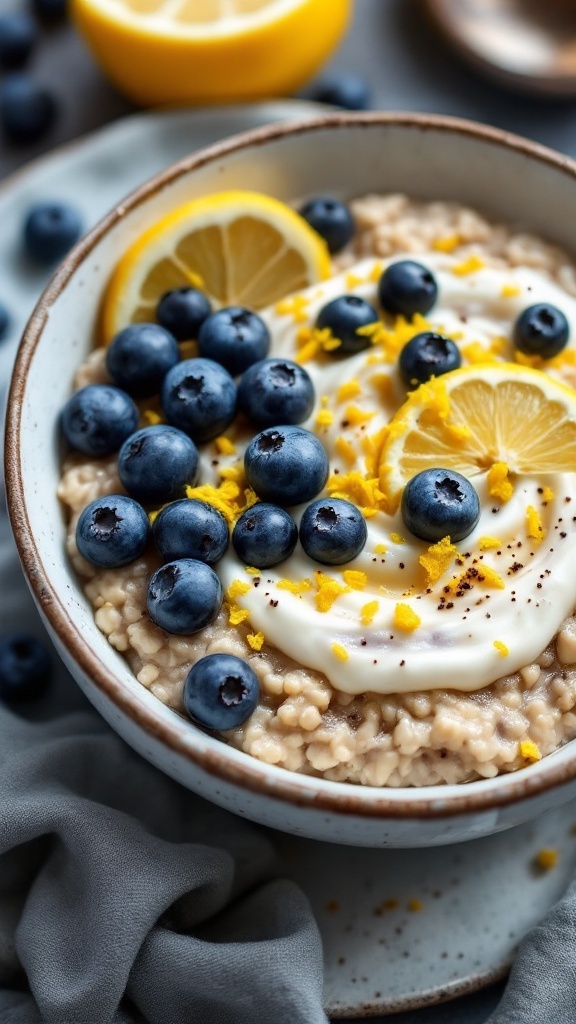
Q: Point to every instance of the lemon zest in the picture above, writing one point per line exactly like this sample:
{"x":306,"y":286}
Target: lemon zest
{"x":251,"y":570}
{"x":228,"y":498}
{"x":357,"y":416}
{"x":373,"y":445}
{"x":355,"y":579}
{"x":547,"y":494}
{"x":483,"y":575}
{"x":500,"y":486}
{"x":295,"y":586}
{"x":547,"y":859}
{"x":380,"y":549}
{"x":475,"y":352}
{"x":236,"y":589}
{"x":510,"y":290}
{"x":405,"y":618}
{"x":329,"y":590}
{"x":256,"y":640}
{"x":224,"y":446}
{"x":468,"y":266}
{"x":352,"y":280}
{"x":397,"y":538}
{"x":534,"y":526}
{"x":530,"y":751}
{"x":296,"y":307}
{"x":340,"y":652}
{"x":345,"y":449}
{"x":487,"y":543}
{"x":311,"y":341}
{"x":383,"y":384}
{"x":151,"y":417}
{"x":237,"y":615}
{"x":438,"y":558}
{"x":325,"y":418}
{"x":367,"y":612}
{"x":349,"y":390}
{"x":355,"y":487}
{"x":447,"y":243}
{"x":501,"y":648}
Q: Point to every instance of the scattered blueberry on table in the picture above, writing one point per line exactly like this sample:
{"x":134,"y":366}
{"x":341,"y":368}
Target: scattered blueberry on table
{"x":139,"y":357}
{"x":440,"y":502}
{"x":406,"y":288}
{"x":344,"y":317}
{"x":428,"y":355}
{"x":235,"y":337}
{"x":112,"y":531}
{"x":184,"y":596}
{"x":331,"y":219}
{"x":541,"y":330}
{"x":264,"y":535}
{"x":156,"y":463}
{"x":189,"y":528}
{"x":25,"y":668}
{"x":286,"y":465}
{"x":220,"y":692}
{"x":346,"y":90}
{"x":98,"y":418}
{"x":276,"y":391}
{"x":18,"y":37}
{"x":27,"y":109}
{"x":50,"y":230}
{"x":332,"y":531}
{"x":199,"y":397}
{"x":182,"y":311}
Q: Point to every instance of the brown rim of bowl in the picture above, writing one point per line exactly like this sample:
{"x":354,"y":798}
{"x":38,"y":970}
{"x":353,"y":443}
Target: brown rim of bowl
{"x":250,"y":773}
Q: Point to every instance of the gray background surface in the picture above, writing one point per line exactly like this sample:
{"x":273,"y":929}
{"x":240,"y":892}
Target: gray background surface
{"x":409,"y":67}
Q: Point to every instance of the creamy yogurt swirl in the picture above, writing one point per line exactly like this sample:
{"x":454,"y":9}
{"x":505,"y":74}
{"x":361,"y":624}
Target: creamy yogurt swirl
{"x":405,"y":615}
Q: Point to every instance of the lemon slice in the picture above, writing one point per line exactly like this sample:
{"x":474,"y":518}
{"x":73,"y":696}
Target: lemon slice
{"x":241,"y":248}
{"x":472,"y":418}
{"x":183,"y":51}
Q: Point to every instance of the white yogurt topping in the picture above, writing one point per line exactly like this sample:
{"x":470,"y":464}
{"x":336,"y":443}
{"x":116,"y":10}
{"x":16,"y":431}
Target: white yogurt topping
{"x":477,"y":630}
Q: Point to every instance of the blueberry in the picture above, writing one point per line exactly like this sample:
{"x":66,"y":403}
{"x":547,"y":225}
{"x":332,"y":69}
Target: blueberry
{"x":541,"y":330}
{"x":50,"y":230}
{"x":199,"y":397}
{"x":97,"y":419}
{"x":156,"y":463}
{"x":50,"y":9}
{"x":234,"y":337}
{"x":25,"y":668}
{"x":428,"y":355}
{"x":184,"y":596}
{"x":439,"y":503}
{"x":344,"y":316}
{"x":276,"y":391}
{"x":343,"y":90}
{"x":190,"y":529}
{"x":27,"y":110}
{"x":139,"y":358}
{"x":220,"y":692}
{"x":331,"y":219}
{"x":18,"y":36}
{"x":112,"y":531}
{"x":264,"y":535}
{"x":4,"y":321}
{"x":407,"y":288}
{"x":182,"y":312}
{"x":286,"y":465}
{"x":332,"y":531}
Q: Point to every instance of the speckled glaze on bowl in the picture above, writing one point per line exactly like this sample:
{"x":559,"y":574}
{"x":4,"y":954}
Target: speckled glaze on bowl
{"x":429,"y":157}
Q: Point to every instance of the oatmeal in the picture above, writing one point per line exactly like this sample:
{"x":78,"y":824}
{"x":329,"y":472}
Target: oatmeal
{"x":415,"y":663}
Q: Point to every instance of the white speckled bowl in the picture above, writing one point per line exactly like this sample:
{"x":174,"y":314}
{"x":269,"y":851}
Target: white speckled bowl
{"x":428,"y":157}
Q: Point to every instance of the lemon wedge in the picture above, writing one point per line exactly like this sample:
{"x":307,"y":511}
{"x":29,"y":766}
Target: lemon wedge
{"x":240,"y":248}
{"x":183,"y":51}
{"x":471,"y":419}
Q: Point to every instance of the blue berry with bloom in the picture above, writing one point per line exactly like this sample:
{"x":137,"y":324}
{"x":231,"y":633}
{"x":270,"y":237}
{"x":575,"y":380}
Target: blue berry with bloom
{"x":199,"y":397}
{"x":191,"y":529}
{"x":98,"y":418}
{"x":541,"y":330}
{"x":25,"y":668}
{"x":112,"y":531}
{"x":406,"y":288}
{"x":439,"y":503}
{"x":184,"y":596}
{"x":235,"y":337}
{"x":332,"y":531}
{"x":332,"y":220}
{"x":139,"y":357}
{"x":18,"y":36}
{"x":155,"y":464}
{"x":182,"y":311}
{"x":221,"y":692}
{"x":346,"y":90}
{"x":27,"y":109}
{"x":286,"y":465}
{"x":50,"y":231}
{"x":276,"y":391}
{"x":344,"y":317}
{"x":428,"y":355}
{"x":264,"y":535}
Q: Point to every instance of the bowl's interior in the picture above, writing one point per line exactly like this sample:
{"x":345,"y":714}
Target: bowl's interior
{"x":431,"y":159}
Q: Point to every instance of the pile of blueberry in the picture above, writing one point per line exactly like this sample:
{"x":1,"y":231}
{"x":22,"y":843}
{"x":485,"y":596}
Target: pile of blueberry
{"x":27,"y":109}
{"x":285,"y":464}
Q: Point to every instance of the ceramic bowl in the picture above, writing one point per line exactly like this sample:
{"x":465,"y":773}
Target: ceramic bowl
{"x":430,"y":158}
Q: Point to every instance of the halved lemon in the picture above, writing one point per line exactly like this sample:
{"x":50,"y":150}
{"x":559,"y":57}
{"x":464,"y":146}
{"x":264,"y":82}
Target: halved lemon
{"x":470,"y":419}
{"x":241,"y":248}
{"x":189,"y":51}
